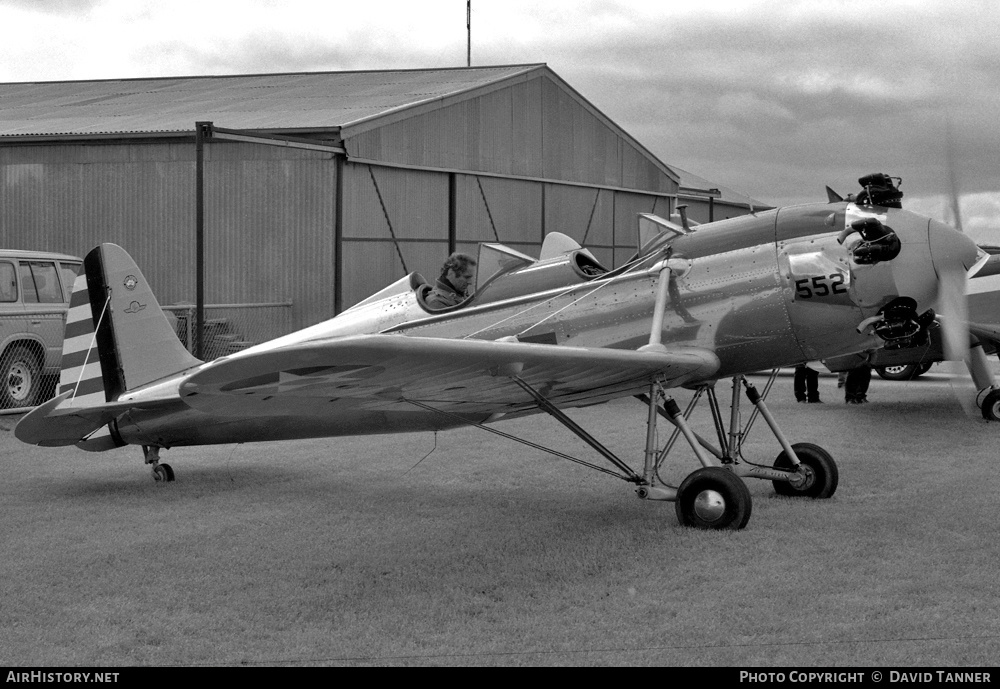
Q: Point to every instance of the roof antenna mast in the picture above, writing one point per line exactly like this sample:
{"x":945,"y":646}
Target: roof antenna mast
{"x":468,"y":29}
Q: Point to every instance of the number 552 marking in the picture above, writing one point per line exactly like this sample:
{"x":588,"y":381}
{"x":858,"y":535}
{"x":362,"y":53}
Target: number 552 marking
{"x":820,"y":286}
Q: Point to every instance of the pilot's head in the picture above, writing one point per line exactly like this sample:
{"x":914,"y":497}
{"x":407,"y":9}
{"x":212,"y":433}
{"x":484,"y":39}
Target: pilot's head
{"x":460,"y":270}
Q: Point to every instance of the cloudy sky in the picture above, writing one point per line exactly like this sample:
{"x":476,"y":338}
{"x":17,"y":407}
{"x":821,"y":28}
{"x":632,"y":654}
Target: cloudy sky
{"x":774,"y":98}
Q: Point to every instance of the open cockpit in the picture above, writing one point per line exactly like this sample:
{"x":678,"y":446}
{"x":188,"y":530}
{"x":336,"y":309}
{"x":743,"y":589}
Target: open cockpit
{"x":505,"y":273}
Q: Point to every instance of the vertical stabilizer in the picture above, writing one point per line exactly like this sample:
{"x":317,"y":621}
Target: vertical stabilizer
{"x":117,"y":336}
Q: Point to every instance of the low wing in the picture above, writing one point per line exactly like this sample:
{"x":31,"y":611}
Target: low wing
{"x":461,"y":376}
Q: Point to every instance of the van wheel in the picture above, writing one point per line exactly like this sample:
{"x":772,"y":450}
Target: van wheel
{"x":21,"y":378}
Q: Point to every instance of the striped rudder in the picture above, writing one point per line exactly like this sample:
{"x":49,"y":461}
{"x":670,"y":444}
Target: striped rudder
{"x":81,"y":373}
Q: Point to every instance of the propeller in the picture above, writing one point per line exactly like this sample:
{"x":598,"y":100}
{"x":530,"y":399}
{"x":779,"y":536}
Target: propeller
{"x":954,"y":266}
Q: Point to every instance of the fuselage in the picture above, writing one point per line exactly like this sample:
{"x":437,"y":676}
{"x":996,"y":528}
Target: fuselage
{"x":760,"y":291}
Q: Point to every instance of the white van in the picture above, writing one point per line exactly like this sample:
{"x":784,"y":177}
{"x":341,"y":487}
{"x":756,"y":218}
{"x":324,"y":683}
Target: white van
{"x":34,"y":294}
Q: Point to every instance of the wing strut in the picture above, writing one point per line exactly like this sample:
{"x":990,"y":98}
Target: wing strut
{"x":561,"y":417}
{"x":536,"y":446}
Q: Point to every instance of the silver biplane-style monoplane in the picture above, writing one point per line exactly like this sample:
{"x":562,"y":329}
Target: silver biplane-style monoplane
{"x":693,"y":306}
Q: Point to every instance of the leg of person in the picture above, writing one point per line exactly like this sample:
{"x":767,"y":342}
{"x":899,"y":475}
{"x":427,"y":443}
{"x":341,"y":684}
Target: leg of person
{"x":864,"y":380}
{"x":800,"y":383}
{"x":856,"y":385}
{"x":812,"y":385}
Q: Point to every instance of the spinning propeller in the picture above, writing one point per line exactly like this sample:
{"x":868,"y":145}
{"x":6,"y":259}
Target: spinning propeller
{"x":955,"y":265}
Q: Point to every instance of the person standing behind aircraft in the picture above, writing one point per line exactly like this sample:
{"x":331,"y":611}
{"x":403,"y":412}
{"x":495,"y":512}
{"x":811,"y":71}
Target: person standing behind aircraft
{"x":856,"y":384}
{"x":457,"y":273}
{"x":806,"y":384}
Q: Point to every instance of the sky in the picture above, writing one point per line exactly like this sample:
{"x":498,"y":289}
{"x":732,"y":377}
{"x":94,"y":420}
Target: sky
{"x":776,"y":99}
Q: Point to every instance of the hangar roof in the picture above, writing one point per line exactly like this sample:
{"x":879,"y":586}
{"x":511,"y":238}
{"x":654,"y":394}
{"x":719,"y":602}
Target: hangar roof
{"x":297,"y":101}
{"x":330,"y":105}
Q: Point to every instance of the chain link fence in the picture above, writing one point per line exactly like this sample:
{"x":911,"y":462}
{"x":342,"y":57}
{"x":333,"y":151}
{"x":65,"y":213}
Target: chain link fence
{"x":230,"y":328}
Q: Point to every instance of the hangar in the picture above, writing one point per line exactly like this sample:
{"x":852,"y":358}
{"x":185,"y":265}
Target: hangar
{"x":318,"y":188}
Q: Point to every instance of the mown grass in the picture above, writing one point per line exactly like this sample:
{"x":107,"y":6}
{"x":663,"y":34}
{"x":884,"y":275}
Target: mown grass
{"x":353,"y":551}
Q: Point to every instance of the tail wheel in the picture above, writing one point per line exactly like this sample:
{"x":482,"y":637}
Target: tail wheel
{"x":713,"y":498}
{"x":163,"y":473}
{"x":22,"y":378}
{"x":818,"y":468}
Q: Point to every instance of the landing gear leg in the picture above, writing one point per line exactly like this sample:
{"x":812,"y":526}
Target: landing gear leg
{"x":988,"y":397}
{"x":709,"y":498}
{"x":161,"y":472}
{"x":802,"y":469}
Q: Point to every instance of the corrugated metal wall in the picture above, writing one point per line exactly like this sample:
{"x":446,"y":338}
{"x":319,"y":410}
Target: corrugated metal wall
{"x":70,"y":198}
{"x":532,"y":129}
{"x":385,"y":238}
{"x":407,"y":230}
{"x":269,"y":216}
{"x":269,"y":226}
{"x":491,"y":209}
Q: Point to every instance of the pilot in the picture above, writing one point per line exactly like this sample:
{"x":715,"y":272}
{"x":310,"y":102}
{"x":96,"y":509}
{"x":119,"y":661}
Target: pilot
{"x":457,"y":274}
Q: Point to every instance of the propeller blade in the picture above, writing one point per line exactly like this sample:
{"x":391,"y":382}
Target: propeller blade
{"x":953,"y":306}
{"x":953,"y":255}
{"x":949,"y":155}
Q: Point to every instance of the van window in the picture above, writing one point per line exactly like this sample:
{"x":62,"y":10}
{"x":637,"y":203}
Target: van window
{"x":40,"y":283}
{"x":8,"y":282}
{"x":68,"y":272}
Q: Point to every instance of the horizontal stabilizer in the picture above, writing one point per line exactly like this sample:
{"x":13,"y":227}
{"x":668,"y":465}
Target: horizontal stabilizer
{"x":59,"y":422}
{"x":50,"y":426}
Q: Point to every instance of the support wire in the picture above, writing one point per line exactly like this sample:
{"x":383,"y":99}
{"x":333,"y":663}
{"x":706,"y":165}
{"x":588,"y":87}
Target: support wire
{"x":530,"y":444}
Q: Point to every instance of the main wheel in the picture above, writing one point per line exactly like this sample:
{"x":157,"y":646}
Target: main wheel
{"x":713,"y":498}
{"x":22,"y":378}
{"x":163,"y":472}
{"x":991,"y":406}
{"x":902,"y":372}
{"x":820,"y":470}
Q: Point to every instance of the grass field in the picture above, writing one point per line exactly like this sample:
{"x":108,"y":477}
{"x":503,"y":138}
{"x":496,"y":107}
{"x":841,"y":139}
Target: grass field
{"x":353,"y":551}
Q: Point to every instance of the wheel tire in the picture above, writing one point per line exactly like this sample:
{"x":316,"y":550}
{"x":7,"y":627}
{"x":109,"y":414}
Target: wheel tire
{"x":22,"y":378}
{"x":163,"y":472}
{"x":822,"y":471}
{"x":991,"y":406}
{"x":902,"y":372}
{"x":713,"y":498}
